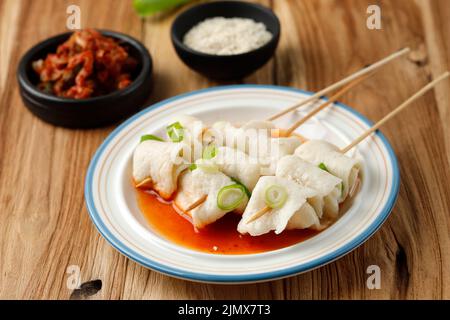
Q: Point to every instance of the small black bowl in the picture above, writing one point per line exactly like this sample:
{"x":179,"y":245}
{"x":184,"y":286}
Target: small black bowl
{"x":90,"y":112}
{"x":225,"y":67}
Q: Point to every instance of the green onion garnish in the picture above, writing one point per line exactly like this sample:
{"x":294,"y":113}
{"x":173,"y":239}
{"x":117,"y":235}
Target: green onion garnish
{"x":247,"y":192}
{"x":230,"y":197}
{"x":175,"y":132}
{"x":323,"y":167}
{"x":192,"y":167}
{"x":146,"y":137}
{"x":275,"y":196}
{"x":342,"y":189}
{"x":207,"y":166}
{"x":209,"y":152}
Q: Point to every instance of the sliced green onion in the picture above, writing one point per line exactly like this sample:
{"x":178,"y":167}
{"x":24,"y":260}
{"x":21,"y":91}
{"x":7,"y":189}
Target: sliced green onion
{"x":342,"y":189}
{"x":323,"y":167}
{"x":146,"y":137}
{"x":207,"y":166}
{"x":247,"y":192}
{"x":175,"y":132}
{"x":209,"y":152}
{"x":275,"y":196}
{"x":192,"y":167}
{"x":230,"y":197}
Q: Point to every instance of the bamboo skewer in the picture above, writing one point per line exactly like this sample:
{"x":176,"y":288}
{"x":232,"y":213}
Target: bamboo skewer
{"x":143,"y":182}
{"x":197,"y":203}
{"x":389,"y":116}
{"x":332,"y":99}
{"x":342,"y":82}
{"x":259,"y":214}
{"x":375,"y":127}
{"x":352,"y":80}
{"x":393,"y":113}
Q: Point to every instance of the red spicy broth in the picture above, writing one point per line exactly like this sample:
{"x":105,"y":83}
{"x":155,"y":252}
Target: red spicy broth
{"x":221,"y":237}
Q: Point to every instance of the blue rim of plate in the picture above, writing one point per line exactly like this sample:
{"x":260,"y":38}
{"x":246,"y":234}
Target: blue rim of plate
{"x":265,"y":276}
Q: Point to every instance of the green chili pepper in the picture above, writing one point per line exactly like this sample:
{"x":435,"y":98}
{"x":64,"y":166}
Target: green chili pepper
{"x":149,"y":7}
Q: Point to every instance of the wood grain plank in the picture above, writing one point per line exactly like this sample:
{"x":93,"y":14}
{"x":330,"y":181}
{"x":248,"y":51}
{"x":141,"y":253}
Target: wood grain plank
{"x":436,"y":17}
{"x":44,"y":224}
{"x":325,"y":40}
{"x":9,"y":12}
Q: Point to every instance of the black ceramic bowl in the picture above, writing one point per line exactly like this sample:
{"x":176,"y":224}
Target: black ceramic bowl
{"x":90,"y":112}
{"x":223,"y":67}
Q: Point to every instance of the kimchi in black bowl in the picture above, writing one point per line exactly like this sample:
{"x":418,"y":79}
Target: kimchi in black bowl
{"x":63,"y":83}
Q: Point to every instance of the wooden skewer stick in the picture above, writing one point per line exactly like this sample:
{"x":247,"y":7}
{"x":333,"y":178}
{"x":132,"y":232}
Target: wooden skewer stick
{"x":393,"y":113}
{"x":400,"y":108}
{"x":143,"y":182}
{"x":197,"y":203}
{"x":259,"y":214}
{"x":288,"y":132}
{"x":342,"y":82}
{"x":332,"y":99}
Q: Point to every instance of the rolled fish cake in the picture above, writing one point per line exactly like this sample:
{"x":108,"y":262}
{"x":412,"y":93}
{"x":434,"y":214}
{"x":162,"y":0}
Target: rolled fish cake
{"x":237,"y":165}
{"x":329,"y":157}
{"x":189,"y":130}
{"x":245,"y":137}
{"x":254,"y":139}
{"x":157,"y":165}
{"x":271,"y":150}
{"x":308,"y":175}
{"x":290,"y":211}
{"x":259,"y":124}
{"x":221,"y":194}
{"x":224,"y":133}
{"x":192,"y":126}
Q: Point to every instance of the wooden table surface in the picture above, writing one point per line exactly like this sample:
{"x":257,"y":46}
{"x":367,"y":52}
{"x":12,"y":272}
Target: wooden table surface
{"x":44,"y":224}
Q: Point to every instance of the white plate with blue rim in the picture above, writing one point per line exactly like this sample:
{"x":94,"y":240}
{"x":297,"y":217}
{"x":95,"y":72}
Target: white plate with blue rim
{"x":112,"y":203}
